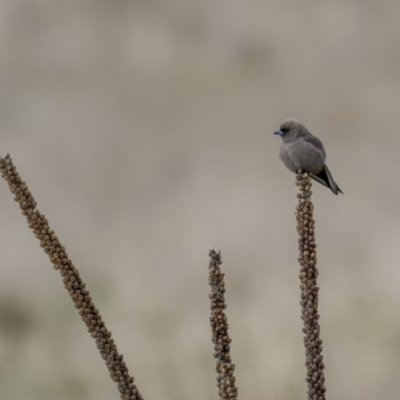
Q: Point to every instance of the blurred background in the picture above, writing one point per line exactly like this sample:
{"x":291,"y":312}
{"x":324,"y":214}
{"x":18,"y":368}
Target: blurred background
{"x":144,"y":130}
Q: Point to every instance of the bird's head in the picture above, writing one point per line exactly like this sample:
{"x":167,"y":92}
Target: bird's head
{"x":291,"y":129}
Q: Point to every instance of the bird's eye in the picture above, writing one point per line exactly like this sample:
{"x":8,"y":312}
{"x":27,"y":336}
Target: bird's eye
{"x":284,"y":130}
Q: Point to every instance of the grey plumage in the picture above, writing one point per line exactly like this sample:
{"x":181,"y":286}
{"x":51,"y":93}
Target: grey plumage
{"x":302,"y":150}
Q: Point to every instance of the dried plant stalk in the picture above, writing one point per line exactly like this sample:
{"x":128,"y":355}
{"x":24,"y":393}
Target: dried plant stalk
{"x":72,"y":281}
{"x":219,"y":329}
{"x":309,"y":289}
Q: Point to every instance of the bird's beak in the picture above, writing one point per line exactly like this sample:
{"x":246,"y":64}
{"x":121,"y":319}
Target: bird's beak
{"x":278,"y":132}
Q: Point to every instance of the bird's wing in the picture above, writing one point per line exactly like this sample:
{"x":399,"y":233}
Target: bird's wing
{"x":316,"y":143}
{"x":325,"y":178}
{"x":320,"y":179}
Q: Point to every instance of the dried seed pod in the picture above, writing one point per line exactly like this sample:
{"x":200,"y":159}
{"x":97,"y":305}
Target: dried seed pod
{"x":219,"y":330}
{"x":309,"y":290}
{"x":71,"y":279}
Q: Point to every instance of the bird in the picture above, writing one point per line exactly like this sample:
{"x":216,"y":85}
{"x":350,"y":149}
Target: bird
{"x":300,"y":149}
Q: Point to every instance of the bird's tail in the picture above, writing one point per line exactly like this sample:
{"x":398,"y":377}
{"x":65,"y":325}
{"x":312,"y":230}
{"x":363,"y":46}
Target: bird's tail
{"x":325,"y":178}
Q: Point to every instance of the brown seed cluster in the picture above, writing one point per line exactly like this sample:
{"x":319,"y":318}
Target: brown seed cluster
{"x":72,"y":281}
{"x":219,"y":329}
{"x":309,"y":289}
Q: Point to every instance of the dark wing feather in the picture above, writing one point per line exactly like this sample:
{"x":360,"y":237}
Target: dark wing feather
{"x":325,"y":178}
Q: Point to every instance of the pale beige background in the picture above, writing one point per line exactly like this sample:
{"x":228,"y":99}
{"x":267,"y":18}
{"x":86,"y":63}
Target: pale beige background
{"x":144,"y":129}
